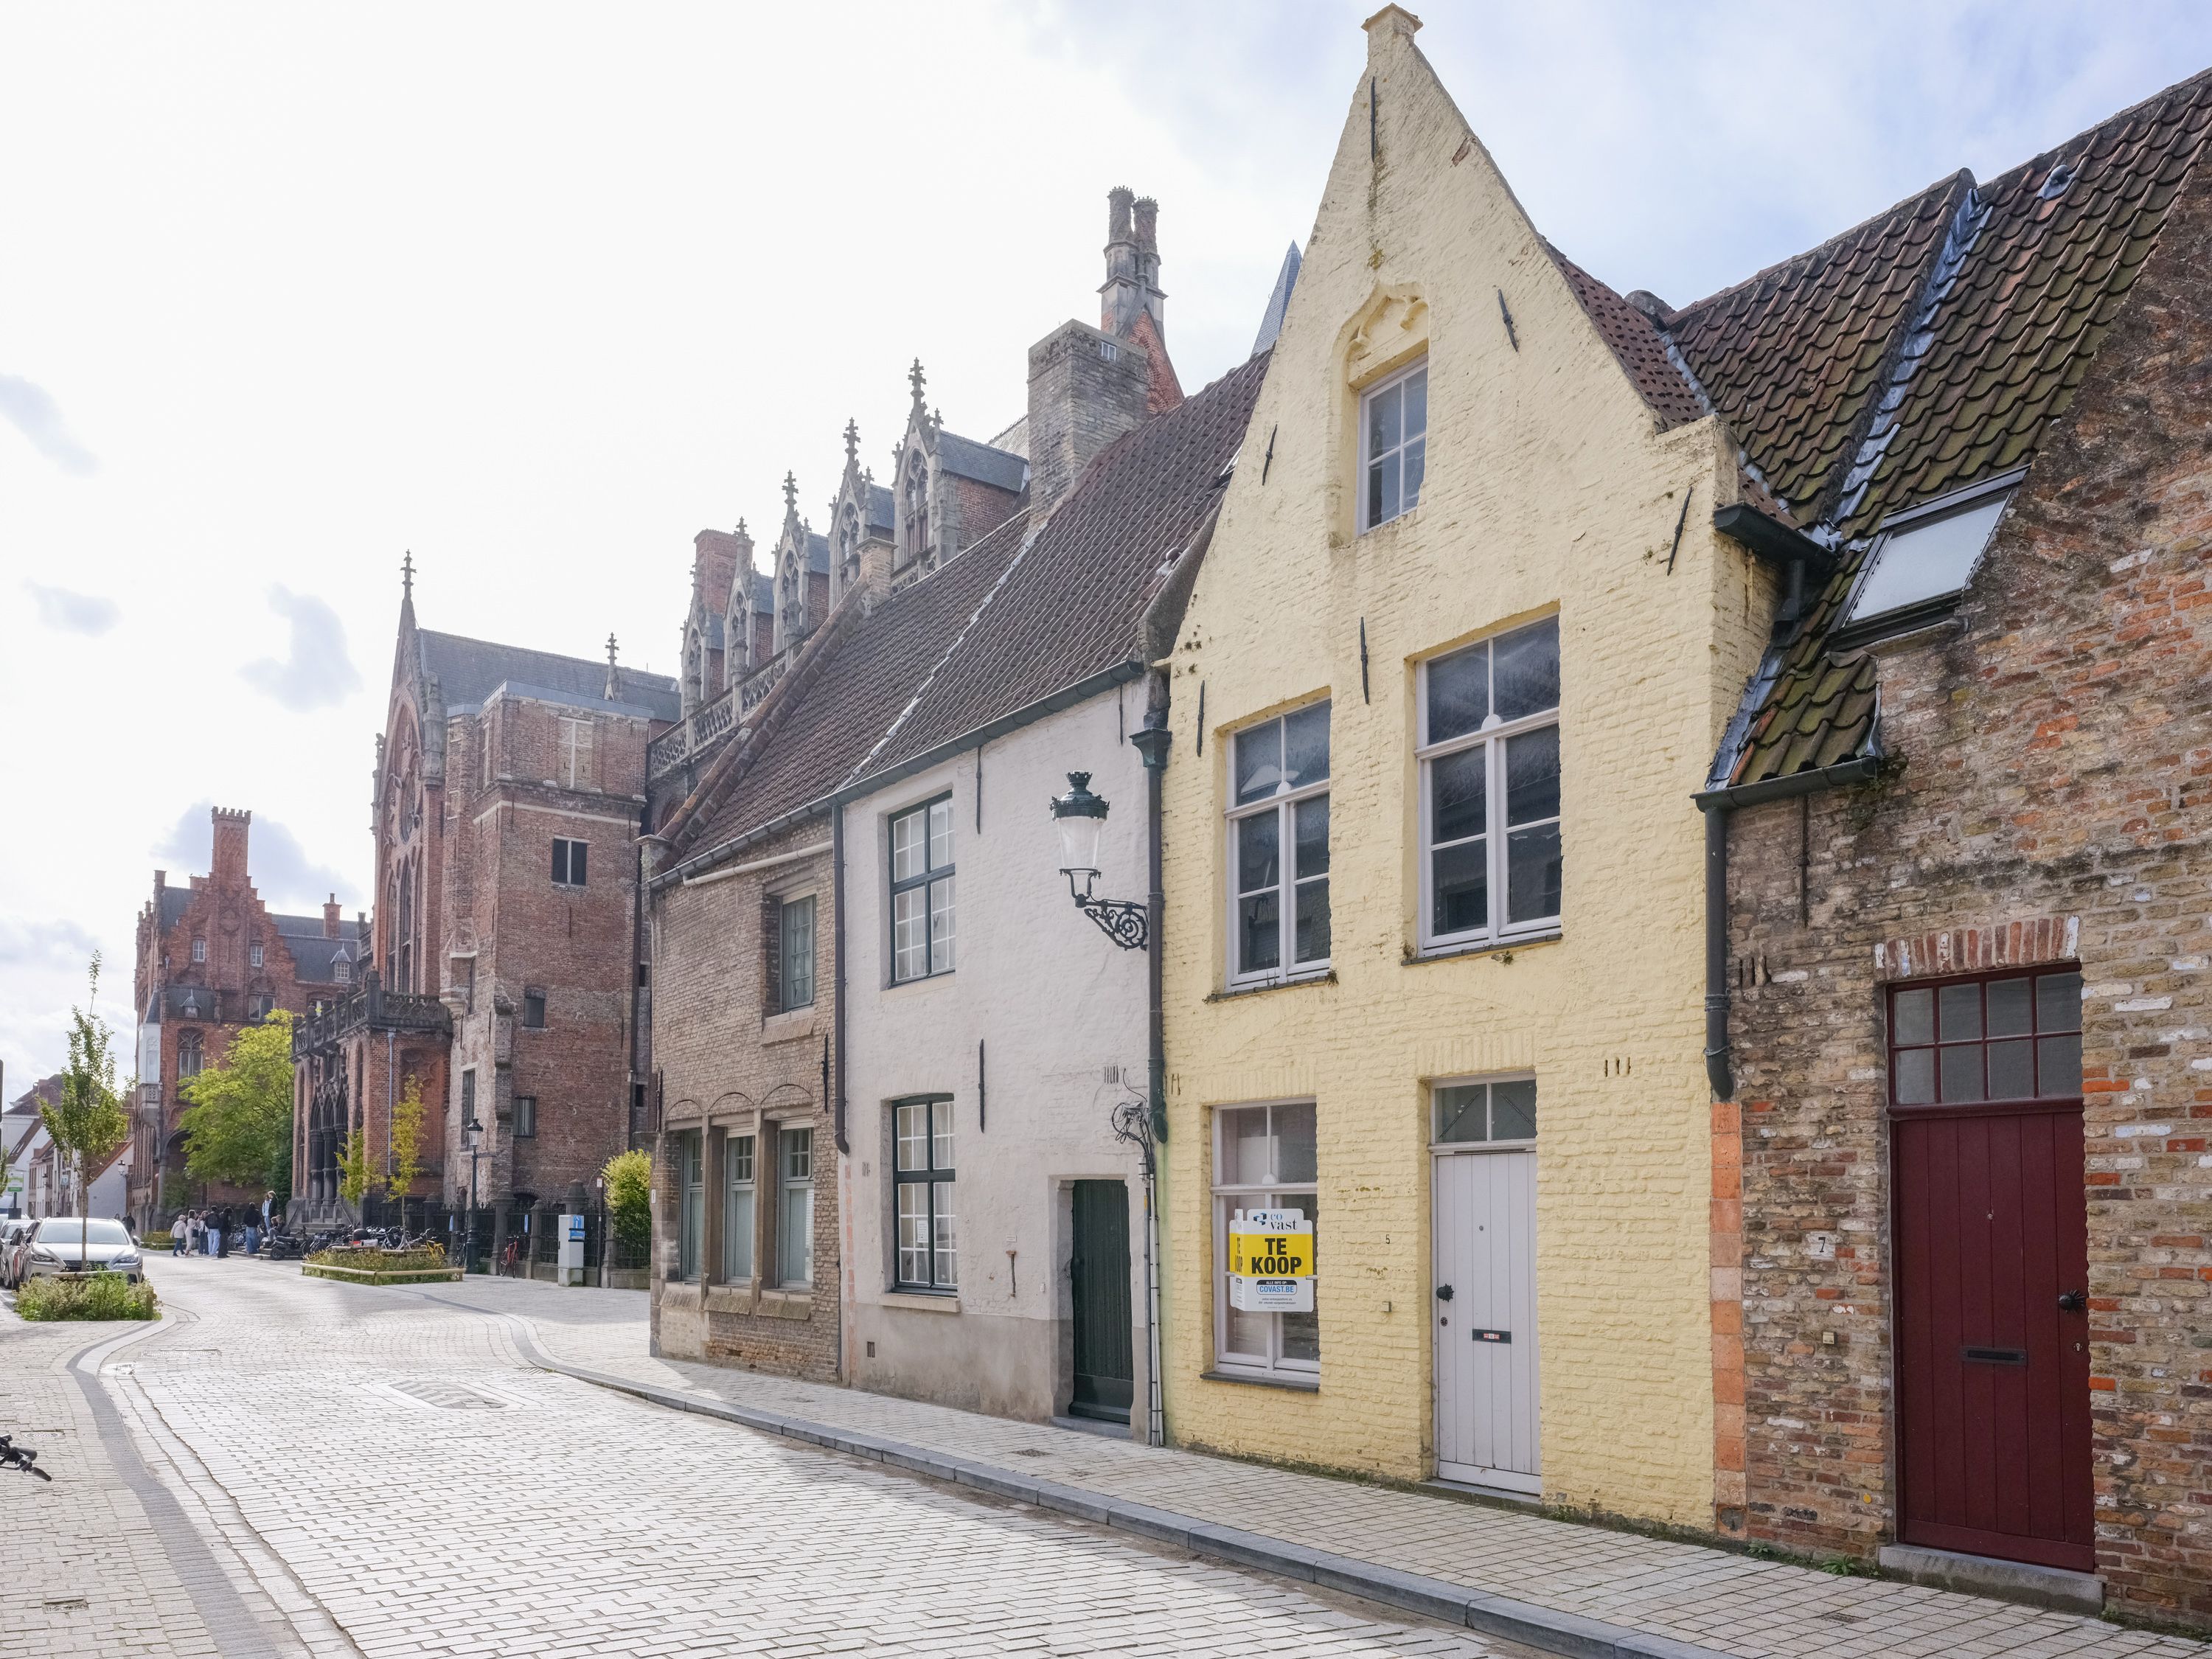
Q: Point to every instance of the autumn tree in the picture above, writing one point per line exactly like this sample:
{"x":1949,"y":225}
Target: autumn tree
{"x":238,"y":1117}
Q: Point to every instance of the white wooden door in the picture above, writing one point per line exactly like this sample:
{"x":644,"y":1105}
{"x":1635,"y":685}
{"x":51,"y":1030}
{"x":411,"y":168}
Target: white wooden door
{"x":1485,"y":1308}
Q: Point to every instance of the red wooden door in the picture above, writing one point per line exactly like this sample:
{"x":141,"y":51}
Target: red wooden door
{"x":1991,"y":1277}
{"x":1993,"y":1372}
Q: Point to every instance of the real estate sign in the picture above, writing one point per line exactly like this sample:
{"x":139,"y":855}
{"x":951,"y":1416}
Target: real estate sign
{"x":1271,"y":1261}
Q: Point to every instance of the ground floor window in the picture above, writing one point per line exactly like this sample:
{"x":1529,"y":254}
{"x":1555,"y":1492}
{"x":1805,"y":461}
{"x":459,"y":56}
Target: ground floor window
{"x":922,"y":1190}
{"x":1263,"y":1159}
{"x":690,"y":1202}
{"x":737,"y":1210}
{"x":794,"y":1156}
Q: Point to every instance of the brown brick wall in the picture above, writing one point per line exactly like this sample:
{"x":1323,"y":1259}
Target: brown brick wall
{"x":2050,"y":803}
{"x":725,"y":1062}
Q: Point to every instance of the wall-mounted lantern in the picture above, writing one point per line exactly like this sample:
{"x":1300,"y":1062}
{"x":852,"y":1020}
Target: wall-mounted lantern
{"x":1079,"y":820}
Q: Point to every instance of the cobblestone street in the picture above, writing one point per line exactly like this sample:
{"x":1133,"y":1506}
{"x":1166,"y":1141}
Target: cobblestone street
{"x":285,"y":1465}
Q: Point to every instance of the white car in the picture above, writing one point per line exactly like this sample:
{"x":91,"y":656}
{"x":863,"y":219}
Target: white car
{"x":63,"y":1244}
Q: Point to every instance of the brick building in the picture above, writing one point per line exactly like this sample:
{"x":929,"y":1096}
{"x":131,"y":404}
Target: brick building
{"x":505,"y":958}
{"x":212,"y":959}
{"x":1962,"y":1201}
{"x":747,"y":896}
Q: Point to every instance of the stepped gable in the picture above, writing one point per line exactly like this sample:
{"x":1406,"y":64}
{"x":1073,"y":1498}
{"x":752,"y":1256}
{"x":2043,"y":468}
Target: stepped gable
{"x":1985,"y":360}
{"x":1072,"y":607}
{"x":1638,"y":346}
{"x":470,"y":670}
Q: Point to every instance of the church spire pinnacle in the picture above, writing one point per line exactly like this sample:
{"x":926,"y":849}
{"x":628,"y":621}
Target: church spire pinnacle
{"x":407,"y":576}
{"x":790,"y":495}
{"x":613,"y":681}
{"x":917,"y":379}
{"x":852,"y":442}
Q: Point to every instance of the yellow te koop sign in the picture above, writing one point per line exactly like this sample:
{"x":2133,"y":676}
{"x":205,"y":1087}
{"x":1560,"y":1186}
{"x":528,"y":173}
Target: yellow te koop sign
{"x":1271,"y":1261}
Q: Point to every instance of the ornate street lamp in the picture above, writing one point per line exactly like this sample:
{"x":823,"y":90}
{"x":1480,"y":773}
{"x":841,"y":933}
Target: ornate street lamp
{"x":1079,"y":817}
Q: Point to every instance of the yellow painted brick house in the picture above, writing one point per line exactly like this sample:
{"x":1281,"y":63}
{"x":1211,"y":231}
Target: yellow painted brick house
{"x":1457,"y":659}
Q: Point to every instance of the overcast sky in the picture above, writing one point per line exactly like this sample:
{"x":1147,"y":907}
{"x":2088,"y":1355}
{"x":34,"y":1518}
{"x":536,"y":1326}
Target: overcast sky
{"x":538,"y":291}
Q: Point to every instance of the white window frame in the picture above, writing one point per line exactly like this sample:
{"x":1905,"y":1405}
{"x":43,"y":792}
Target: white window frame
{"x":1227,"y":1196}
{"x":199,"y":950}
{"x":565,"y":862}
{"x":1492,"y":733}
{"x":1284,"y":803}
{"x":255,"y":955}
{"x":1367,"y":459}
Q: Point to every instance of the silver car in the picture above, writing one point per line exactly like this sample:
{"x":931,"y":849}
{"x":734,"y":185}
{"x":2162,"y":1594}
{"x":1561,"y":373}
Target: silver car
{"x":13,"y":1231}
{"x":62,"y":1244}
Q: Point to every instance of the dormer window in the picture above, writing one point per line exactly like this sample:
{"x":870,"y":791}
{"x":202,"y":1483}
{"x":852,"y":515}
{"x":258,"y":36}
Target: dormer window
{"x":342,"y":971}
{"x":1922,"y":561}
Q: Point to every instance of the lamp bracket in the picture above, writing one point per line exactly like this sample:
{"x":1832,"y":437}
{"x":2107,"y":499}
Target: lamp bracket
{"x":1125,"y":921}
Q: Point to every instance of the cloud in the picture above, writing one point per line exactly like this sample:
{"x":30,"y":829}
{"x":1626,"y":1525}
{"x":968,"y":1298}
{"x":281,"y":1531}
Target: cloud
{"x":32,"y":411}
{"x":73,"y":613}
{"x":279,"y":866}
{"x":319,"y":674}
{"x":45,"y":945}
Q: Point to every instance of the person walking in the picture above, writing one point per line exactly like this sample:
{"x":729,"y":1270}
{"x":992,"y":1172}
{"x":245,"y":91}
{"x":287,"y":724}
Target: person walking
{"x":178,"y":1231}
{"x":224,"y":1229}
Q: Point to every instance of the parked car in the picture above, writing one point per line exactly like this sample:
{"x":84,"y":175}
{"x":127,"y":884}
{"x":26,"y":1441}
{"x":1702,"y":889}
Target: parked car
{"x":12,"y":1232}
{"x":64,"y":1244}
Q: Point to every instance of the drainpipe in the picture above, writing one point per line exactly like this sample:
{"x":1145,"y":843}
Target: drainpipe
{"x":1153,"y":740}
{"x":837,"y":994}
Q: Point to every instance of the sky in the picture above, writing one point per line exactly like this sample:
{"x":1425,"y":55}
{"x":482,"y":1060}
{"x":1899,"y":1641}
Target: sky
{"x":535,"y":292}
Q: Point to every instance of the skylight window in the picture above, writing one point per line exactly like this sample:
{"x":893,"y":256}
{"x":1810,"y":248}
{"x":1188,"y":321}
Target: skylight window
{"x":1923,"y":560}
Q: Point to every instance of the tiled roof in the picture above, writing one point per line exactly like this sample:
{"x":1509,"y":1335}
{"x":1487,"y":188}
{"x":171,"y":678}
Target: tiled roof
{"x":966,"y":458}
{"x":879,"y":508}
{"x":469,"y":671}
{"x":302,"y":935}
{"x":1014,"y":619}
{"x":1928,"y":350}
{"x":1635,"y":342}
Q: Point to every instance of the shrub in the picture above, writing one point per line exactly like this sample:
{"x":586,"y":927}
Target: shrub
{"x":371,"y":1259}
{"x":102,"y":1296}
{"x":630,"y":1198}
{"x":162,"y":1241}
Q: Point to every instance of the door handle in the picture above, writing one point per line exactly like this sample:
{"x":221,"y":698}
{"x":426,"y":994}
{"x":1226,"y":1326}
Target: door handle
{"x":2072,"y":1301}
{"x":1443,"y":1293}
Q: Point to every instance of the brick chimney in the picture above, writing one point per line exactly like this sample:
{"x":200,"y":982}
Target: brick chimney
{"x":227,"y":868}
{"x":331,"y":917}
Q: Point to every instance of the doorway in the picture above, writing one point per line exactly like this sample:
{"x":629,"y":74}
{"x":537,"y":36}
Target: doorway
{"x":1483,"y":1222}
{"x":1099,"y":1272}
{"x":1991,"y":1267}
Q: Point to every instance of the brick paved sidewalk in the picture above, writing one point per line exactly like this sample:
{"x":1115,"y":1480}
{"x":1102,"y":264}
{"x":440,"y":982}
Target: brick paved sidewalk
{"x":1707,"y":1598}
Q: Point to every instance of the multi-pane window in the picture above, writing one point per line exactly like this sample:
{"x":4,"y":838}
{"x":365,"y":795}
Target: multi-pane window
{"x":533,"y":1009}
{"x":342,"y":971}
{"x":738,"y":1209}
{"x":469,"y":1099}
{"x":689,"y":1177}
{"x":922,"y":1188}
{"x":568,"y":861}
{"x":255,"y":955}
{"x":1490,"y":789}
{"x":576,"y":753}
{"x":922,"y":892}
{"x":1263,"y":1159}
{"x":189,"y":1055}
{"x":1278,"y":848}
{"x":794,"y":959}
{"x":1394,"y":442}
{"x":794,"y":1244}
{"x":199,"y":950}
{"x":2017,"y":1037}
{"x":1470,"y":1113}
{"x":526,"y":1117}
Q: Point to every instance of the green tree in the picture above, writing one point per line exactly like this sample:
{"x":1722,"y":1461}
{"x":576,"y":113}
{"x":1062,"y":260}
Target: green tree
{"x":628,"y":1177}
{"x":353,"y":1168}
{"x":407,"y":1137}
{"x":88,"y":1122}
{"x":239,"y":1112}
{"x":280,"y":1176}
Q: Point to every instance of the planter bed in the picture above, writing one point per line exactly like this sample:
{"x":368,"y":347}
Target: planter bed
{"x":383,"y":1276}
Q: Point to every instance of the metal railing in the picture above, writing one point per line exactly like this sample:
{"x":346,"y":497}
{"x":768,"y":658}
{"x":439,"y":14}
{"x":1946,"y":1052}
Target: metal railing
{"x":369,"y":1007}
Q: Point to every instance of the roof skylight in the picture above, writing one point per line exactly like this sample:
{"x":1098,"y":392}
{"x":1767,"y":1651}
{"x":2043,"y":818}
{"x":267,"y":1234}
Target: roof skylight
{"x":1926,"y":558}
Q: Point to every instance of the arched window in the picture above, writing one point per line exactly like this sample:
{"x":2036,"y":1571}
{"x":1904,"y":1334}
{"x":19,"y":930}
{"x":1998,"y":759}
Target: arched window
{"x":189,"y":1055}
{"x":917,"y":505}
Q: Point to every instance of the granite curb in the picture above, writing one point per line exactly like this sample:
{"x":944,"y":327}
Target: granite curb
{"x":1525,"y":1622}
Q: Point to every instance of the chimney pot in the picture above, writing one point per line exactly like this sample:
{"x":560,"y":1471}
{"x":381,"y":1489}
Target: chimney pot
{"x":331,"y":917}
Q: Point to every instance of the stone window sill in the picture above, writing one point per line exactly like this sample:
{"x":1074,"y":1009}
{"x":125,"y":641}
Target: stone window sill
{"x":1296,"y":1385}
{"x":1327,"y":977}
{"x":788,"y":1027}
{"x":923,"y":1301}
{"x":730,"y":1298}
{"x":1503,"y":951}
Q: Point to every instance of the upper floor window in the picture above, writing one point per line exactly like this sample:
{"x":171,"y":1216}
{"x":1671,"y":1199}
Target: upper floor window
{"x":1394,"y":444}
{"x":199,"y":950}
{"x":1278,"y":848}
{"x":922,"y":1188}
{"x":1489,"y":723}
{"x":2017,"y":1037}
{"x":790,"y":948}
{"x":1922,"y":559}
{"x":533,"y":1009}
{"x":922,"y":892}
{"x":576,"y":753}
{"x":254,"y":955}
{"x":526,"y":1117}
{"x":342,"y":971}
{"x":568,"y":861}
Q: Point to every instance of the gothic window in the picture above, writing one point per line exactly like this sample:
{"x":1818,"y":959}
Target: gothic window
{"x":189,"y":1055}
{"x":917,"y":506}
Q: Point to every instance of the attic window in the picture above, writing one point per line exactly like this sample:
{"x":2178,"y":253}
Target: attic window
{"x":1922,"y":559}
{"x":1109,"y":350}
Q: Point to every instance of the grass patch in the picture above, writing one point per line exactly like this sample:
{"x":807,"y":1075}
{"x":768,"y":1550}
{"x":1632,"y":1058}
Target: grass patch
{"x":92,"y":1296}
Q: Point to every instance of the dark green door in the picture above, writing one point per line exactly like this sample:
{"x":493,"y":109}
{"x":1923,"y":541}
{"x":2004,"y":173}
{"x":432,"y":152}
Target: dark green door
{"x":1100,"y":1270}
